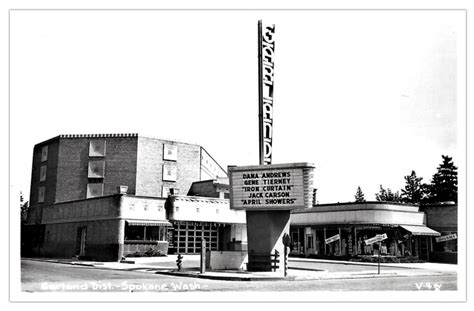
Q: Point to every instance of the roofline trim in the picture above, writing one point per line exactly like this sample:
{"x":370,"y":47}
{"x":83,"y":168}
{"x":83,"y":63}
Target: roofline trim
{"x":302,"y":211}
{"x":367,"y":202}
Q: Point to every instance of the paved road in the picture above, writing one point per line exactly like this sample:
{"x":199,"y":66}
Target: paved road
{"x":293,"y":263}
{"x":46,"y":276}
{"x":334,"y":267}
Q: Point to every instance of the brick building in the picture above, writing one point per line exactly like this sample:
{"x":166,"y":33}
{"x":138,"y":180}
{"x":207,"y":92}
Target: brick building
{"x":443,"y":217}
{"x":91,"y":193}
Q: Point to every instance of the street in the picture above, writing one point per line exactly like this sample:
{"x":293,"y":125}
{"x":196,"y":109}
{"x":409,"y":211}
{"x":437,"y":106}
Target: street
{"x":40,"y":276}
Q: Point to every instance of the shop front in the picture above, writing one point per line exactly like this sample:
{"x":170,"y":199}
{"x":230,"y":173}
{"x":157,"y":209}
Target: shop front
{"x":340,"y":230}
{"x":146,"y":237}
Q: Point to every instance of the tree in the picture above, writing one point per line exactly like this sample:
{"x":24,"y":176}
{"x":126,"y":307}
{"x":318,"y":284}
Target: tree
{"x":444,"y":184}
{"x":387,"y":195}
{"x":24,"y":206}
{"x":359,"y":196}
{"x":414,"y":191}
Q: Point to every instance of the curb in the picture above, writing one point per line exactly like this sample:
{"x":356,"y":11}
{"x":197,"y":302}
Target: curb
{"x":306,"y":269}
{"x":355,"y":263}
{"x":291,"y":278}
{"x":71,"y":263}
{"x":226,"y":277}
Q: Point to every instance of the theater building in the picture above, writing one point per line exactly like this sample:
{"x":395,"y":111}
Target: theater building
{"x":107,"y":196}
{"x":340,"y":230}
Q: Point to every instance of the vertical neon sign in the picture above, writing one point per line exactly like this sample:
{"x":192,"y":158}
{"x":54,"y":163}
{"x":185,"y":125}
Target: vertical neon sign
{"x":266,"y":49}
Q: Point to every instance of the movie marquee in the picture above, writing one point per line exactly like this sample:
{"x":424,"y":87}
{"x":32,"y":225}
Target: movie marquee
{"x":277,"y":186}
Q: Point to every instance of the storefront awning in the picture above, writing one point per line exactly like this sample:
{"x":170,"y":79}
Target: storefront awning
{"x":420,"y":230}
{"x":161,"y":223}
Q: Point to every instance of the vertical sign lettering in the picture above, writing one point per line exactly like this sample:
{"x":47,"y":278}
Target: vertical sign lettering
{"x":266,"y":49}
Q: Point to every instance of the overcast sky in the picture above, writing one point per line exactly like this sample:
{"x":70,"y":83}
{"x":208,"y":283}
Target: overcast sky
{"x":367,"y":96}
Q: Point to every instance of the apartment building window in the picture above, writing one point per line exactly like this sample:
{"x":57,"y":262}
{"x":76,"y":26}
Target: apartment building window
{"x":43,"y":173}
{"x":97,"y":148}
{"x":96,"y":169}
{"x":170,"y":172}
{"x":40,"y":194}
{"x":95,"y":190}
{"x":44,"y":153}
{"x":170,"y":152}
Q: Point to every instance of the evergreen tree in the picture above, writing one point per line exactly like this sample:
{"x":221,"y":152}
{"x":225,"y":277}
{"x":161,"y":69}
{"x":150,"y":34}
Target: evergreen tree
{"x":414,"y":191}
{"x":426,"y":190}
{"x":386,"y":195}
{"x":444,"y":185}
{"x":359,"y":196}
{"x":24,"y":206}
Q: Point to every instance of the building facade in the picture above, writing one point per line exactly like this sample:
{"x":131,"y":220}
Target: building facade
{"x":76,"y":167}
{"x":443,"y":217}
{"x":341,"y":229}
{"x":105,"y":197}
{"x":93,"y":192}
{"x":197,"y":218}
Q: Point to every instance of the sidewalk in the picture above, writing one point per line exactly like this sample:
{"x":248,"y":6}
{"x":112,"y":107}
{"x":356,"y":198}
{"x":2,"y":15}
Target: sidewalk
{"x":167,"y":266}
{"x":426,"y":265}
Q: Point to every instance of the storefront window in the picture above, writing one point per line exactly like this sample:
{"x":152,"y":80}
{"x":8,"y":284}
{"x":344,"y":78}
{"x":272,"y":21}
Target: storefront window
{"x":297,"y":235}
{"x":134,"y":232}
{"x":145,"y":233}
{"x":450,"y":246}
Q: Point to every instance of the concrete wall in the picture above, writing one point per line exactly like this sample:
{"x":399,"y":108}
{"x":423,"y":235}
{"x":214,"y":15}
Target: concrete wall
{"x":100,"y":208}
{"x":132,"y":247}
{"x":205,"y":209}
{"x":143,"y":208}
{"x":217,"y":260}
{"x":102,"y":242}
{"x":265,"y":230}
{"x":101,"y":217}
{"x":104,"y":218}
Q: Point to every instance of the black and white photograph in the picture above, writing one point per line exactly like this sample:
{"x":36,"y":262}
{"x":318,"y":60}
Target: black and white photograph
{"x":237,"y":155}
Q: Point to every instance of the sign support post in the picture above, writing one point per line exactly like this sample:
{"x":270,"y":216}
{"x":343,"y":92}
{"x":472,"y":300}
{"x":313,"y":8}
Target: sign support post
{"x":380,"y":251}
{"x":378,"y":238}
{"x":203,"y":257}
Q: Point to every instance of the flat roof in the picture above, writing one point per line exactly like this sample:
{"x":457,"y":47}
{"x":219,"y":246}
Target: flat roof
{"x":354,"y":206}
{"x":269,"y":167}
